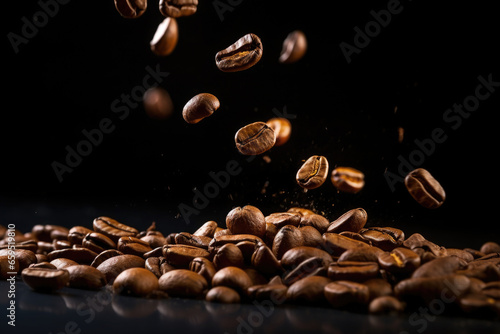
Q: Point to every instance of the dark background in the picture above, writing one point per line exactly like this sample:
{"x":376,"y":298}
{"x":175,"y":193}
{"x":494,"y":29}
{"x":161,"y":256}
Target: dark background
{"x":429,"y":57}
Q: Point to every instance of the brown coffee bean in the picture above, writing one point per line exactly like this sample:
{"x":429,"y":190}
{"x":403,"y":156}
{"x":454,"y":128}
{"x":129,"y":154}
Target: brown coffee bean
{"x":282,"y":129}
{"x":60,"y":244}
{"x":154,"y":239}
{"x":199,"y":107}
{"x":378,"y":287}
{"x":185,"y":238}
{"x":246,"y":220}
{"x":165,"y":37}
{"x":276,"y":293}
{"x":424,"y":188}
{"x":85,"y":277}
{"x":480,"y":305}
{"x":221,"y":231}
{"x":308,"y":290}
{"x":98,"y":242}
{"x":440,"y":267}
{"x":264,"y":260}
{"x":31,"y":245}
{"x":112,"y":267}
{"x":183,"y":283}
{"x":314,"y":266}
{"x":281,"y":219}
{"x":153,"y":265}
{"x":416,"y":240}
{"x":386,"y":238}
{"x":301,"y":211}
{"x":271,"y":231}
{"x":317,"y":221}
{"x":103,"y":256}
{"x":361,"y":254}
{"x":219,"y":241}
{"x":41,"y":258}
{"x":426,"y":289}
{"x":294,"y":47}
{"x":77,"y":233}
{"x":353,"y":220}
{"x":241,"y":55}
{"x":178,"y":8}
{"x":138,"y":282}
{"x":335,"y":244}
{"x":256,"y":276}
{"x":254,"y":138}
{"x":490,"y":247}
{"x":80,"y":255}
{"x":46,"y":265}
{"x":131,"y":9}
{"x":204,"y":267}
{"x":353,"y":271}
{"x":44,"y":247}
{"x":247,"y":249}
{"x":23,"y":256}
{"x":228,"y":255}
{"x":293,"y":257}
{"x":232,"y":277}
{"x":207,"y":230}
{"x":63,"y":263}
{"x":460,"y":253}
{"x":287,"y":238}
{"x":347,"y":179}
{"x":59,"y":234}
{"x":42,"y":279}
{"x":313,"y":172}
{"x":8,"y":266}
{"x":346,"y":293}
{"x":43,"y":232}
{"x":113,"y":229}
{"x":386,"y":305}
{"x":157,"y":102}
{"x":222,"y":294}
{"x":399,"y":261}
{"x":311,"y":237}
{"x":180,"y":256}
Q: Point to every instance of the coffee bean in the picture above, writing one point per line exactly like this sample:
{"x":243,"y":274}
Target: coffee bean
{"x":131,"y":9}
{"x":113,"y":229}
{"x":311,"y":236}
{"x":417,"y":240}
{"x":112,"y":267}
{"x":185,"y":238}
{"x":254,"y":138}
{"x":165,"y":37}
{"x":157,"y":103}
{"x":276,"y":293}
{"x":154,"y":239}
{"x":426,"y":289}
{"x":85,"y":277}
{"x":103,"y":256}
{"x":440,"y":267}
{"x":361,"y":254}
{"x":206,"y":230}
{"x":347,"y":179}
{"x":24,"y":257}
{"x":313,"y":172}
{"x":46,"y":265}
{"x":281,"y":219}
{"x":378,"y":287}
{"x":353,"y":271}
{"x":247,"y":249}
{"x":153,"y":265}
{"x":8,"y":265}
{"x":386,"y":305}
{"x":314,"y":266}
{"x":63,"y":263}
{"x":317,"y":221}
{"x":301,"y":211}
{"x":204,"y":267}
{"x":183,"y":283}
{"x":61,"y":244}
{"x":199,"y":107}
{"x":346,"y":293}
{"x":42,"y":279}
{"x":490,"y":247}
{"x":181,"y":255}
{"x":77,"y":233}
{"x":480,"y":305}
{"x":241,"y":55}
{"x":294,"y":47}
{"x":335,"y":244}
{"x":80,"y":255}
{"x":460,"y":253}
{"x":222,"y":294}
{"x":353,"y":220}
{"x":308,"y":290}
{"x":386,"y":238}
{"x":399,"y":261}
{"x":43,"y":232}
{"x":232,"y":277}
{"x":246,"y":220}
{"x":264,"y":260}
{"x":178,"y":8}
{"x":228,"y":255}
{"x":30,"y":245}
{"x":424,"y":188}
{"x":287,"y":238}
{"x":138,"y":282}
{"x":219,"y":241}
{"x":282,"y":129}
{"x":98,"y":242}
{"x":294,"y":256}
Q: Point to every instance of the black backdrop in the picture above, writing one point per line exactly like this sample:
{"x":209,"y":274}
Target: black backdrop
{"x":65,"y":78}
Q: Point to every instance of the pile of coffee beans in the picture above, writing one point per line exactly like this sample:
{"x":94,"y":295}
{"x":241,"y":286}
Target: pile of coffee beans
{"x":297,"y":256}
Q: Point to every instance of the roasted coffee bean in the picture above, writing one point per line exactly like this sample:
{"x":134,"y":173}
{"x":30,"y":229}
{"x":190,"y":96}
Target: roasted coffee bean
{"x":112,"y":267}
{"x":113,"y":229}
{"x":63,"y":263}
{"x":288,"y":237}
{"x":276,"y":293}
{"x":347,"y":179}
{"x":460,"y":253}
{"x":24,"y":257}
{"x":426,"y":289}
{"x":246,"y":220}
{"x":204,"y":267}
{"x":386,"y":238}
{"x":46,"y":265}
{"x":165,"y":267}
{"x":80,"y":255}
{"x":480,"y":305}
{"x":199,"y":107}
{"x":30,"y":245}
{"x":85,"y":277}
{"x":314,"y":266}
{"x":185,"y":238}
{"x":254,"y":138}
{"x":282,"y":129}
{"x":378,"y":287}
{"x":206,"y":230}
{"x":491,"y":289}
{"x":44,"y":247}
{"x":386,"y":305}
{"x":178,"y":8}
{"x":311,"y":236}
{"x":486,"y":273}
{"x":181,"y":255}
{"x":103,"y":256}
{"x":60,"y":244}
{"x":247,"y":249}
{"x":353,"y":221}
{"x":301,"y":211}
{"x":399,"y":261}
{"x":361,"y":254}
{"x":228,"y":255}
{"x":8,"y":266}
{"x":154,"y":239}
{"x":313,"y":172}
{"x":294,"y":47}
{"x":157,"y":102}
{"x":241,"y":55}
{"x":42,"y":279}
{"x":232,"y":277}
{"x":295,"y":256}
{"x":353,"y":271}
{"x":335,"y":244}
{"x":219,"y":241}
{"x":490,"y":247}
{"x":271,"y":231}
{"x":98,"y":242}
{"x":59,"y":234}
{"x":281,"y":219}
{"x":425,"y":189}
{"x":183,"y":283}
{"x":131,"y":9}
{"x":43,"y":232}
{"x":440,"y":267}
{"x":308,"y":290}
{"x":165,"y":39}
{"x":222,"y":294}
{"x":346,"y":293}
{"x":264,"y":260}
{"x":138,"y":282}
{"x":153,"y":265}
{"x":416,"y":241}
{"x":77,"y":233}
{"x":317,"y":221}
{"x":41,"y":258}
{"x":221,"y":231}
{"x":256,"y":276}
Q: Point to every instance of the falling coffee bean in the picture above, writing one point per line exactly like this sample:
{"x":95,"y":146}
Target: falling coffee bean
{"x":294,"y":47}
{"x":158,"y":104}
{"x":241,"y":55}
{"x":348,"y":179}
{"x":282,"y":129}
{"x":313,"y":172}
{"x":165,"y":37}
{"x":199,"y":107}
{"x":425,"y":189}
{"x":131,"y":9}
{"x":178,"y":8}
{"x":255,"y":138}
